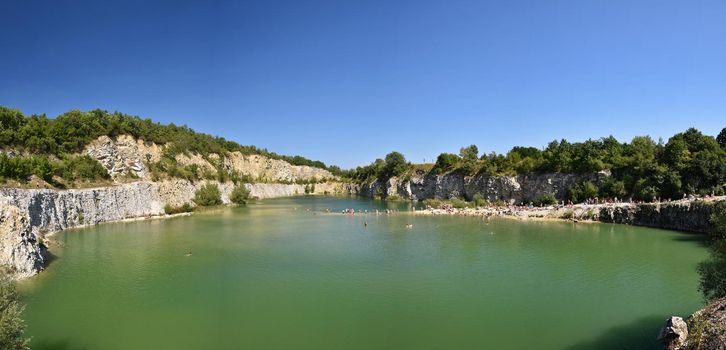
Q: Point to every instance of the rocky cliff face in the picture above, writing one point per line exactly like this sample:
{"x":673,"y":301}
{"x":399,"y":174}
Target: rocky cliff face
{"x":681,"y":216}
{"x":20,"y":248}
{"x":125,"y":155}
{"x":704,"y":330}
{"x":514,"y":189}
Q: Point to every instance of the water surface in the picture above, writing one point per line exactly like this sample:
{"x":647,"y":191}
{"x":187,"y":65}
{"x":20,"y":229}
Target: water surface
{"x":284,"y":274}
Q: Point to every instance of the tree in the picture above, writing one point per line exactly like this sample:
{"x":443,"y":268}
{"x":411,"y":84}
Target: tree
{"x":713,"y":270}
{"x":445,"y":162}
{"x":469,"y":156}
{"x":208,"y":195}
{"x":721,"y":138}
{"x":12,"y":325}
{"x":395,"y":165}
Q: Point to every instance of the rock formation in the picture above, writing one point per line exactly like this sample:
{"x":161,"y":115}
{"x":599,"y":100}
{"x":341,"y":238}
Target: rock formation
{"x":704,"y":330}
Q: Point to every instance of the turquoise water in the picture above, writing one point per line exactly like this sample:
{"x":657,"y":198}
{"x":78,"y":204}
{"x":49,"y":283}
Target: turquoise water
{"x":284,"y":274}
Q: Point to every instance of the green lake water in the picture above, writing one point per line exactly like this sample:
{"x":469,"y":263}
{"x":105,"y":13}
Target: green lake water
{"x":284,"y":274}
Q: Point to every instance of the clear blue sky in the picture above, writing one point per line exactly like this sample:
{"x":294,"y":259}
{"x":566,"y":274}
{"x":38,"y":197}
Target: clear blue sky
{"x":346,"y":82}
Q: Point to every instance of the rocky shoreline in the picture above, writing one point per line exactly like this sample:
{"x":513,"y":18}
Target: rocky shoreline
{"x":683,"y":215}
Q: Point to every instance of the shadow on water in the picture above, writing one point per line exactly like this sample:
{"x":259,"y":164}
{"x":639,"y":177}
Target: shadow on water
{"x":701,"y":239}
{"x":56,"y":345}
{"x":640,"y":334}
{"x":49,"y":258}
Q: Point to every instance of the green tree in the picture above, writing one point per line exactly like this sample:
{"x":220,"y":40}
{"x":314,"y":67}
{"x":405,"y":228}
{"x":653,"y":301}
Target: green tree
{"x":445,"y":162}
{"x":12,"y":325}
{"x":721,"y":138}
{"x":208,"y":195}
{"x":713,"y":270}
{"x":395,"y":165}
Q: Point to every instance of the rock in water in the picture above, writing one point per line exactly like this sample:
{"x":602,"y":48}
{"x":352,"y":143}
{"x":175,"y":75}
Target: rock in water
{"x":674,"y":334}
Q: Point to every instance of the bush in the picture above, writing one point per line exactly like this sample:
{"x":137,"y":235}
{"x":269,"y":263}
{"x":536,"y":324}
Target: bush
{"x":12,"y":325}
{"x":239,"y":195}
{"x":433,"y":203}
{"x":184,"y":208}
{"x":208,"y":195}
{"x":459,"y":203}
{"x":545,"y":199}
{"x":582,"y":191}
{"x":479,"y":200}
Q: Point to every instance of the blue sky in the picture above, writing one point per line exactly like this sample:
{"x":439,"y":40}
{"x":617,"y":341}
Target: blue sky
{"x":346,"y":82}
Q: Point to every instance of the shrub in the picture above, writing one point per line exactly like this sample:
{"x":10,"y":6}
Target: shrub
{"x":184,"y":208}
{"x":12,"y":325}
{"x":433,"y":203}
{"x":208,"y":195}
{"x":459,"y":203}
{"x":479,"y":200}
{"x":545,"y":199}
{"x":239,"y":195}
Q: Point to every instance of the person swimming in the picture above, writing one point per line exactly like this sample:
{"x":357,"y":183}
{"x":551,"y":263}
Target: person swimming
{"x":189,"y":253}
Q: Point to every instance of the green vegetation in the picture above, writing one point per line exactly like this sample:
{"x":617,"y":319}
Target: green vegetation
{"x":713,"y":270}
{"x":70,"y":168}
{"x":544,"y":200}
{"x":52,"y":140}
{"x":239,"y":195}
{"x":184,"y":208}
{"x":12,"y":325}
{"x":395,"y":164}
{"x":208,"y":195}
{"x":688,"y":163}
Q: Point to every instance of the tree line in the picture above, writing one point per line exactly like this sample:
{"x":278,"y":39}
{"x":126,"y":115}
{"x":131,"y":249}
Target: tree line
{"x":688,"y":163}
{"x":51,"y":141}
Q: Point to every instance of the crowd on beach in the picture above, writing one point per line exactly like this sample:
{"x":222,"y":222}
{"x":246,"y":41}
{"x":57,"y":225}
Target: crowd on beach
{"x":562,"y":209}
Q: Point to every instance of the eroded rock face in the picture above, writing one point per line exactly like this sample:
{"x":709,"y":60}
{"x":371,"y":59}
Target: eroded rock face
{"x":512,"y":189}
{"x":124,"y":155}
{"x":707,"y":328}
{"x":20,"y":248}
{"x":674,"y":334}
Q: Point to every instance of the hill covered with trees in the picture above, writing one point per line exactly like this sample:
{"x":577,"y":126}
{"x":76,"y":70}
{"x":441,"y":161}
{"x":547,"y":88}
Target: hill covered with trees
{"x":688,"y":163}
{"x":47,"y":147}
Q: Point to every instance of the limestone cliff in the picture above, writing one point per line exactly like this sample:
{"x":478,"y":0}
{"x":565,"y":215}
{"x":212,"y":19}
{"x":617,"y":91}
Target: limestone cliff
{"x":124,"y":155}
{"x":422,"y":185}
{"x":27,"y":215}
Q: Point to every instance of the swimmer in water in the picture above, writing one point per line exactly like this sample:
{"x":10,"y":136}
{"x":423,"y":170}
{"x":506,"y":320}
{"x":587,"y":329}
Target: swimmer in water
{"x":189,"y":253}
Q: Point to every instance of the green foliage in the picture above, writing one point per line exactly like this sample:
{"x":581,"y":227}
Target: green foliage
{"x":613,"y":188}
{"x":71,"y":131}
{"x":582,"y":191}
{"x":184,"y":208}
{"x":395,"y":165}
{"x":12,"y":325}
{"x":721,"y":138}
{"x":74,"y":168}
{"x":459,"y":203}
{"x":713,"y":270}
{"x":445,"y":162}
{"x":545,"y":199}
{"x":239,"y":195}
{"x":208,"y":195}
{"x":479,"y":200}
{"x":688,"y":163}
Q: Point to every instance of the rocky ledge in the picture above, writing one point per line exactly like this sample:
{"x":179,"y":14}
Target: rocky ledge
{"x":704,"y":330}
